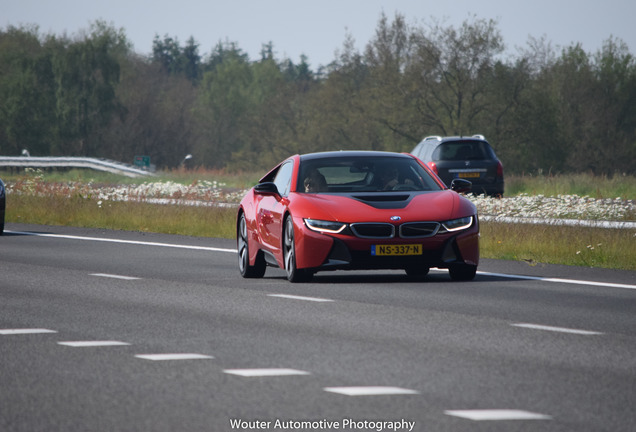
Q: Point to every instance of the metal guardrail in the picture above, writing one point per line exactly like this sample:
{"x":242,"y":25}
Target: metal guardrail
{"x":72,"y":162}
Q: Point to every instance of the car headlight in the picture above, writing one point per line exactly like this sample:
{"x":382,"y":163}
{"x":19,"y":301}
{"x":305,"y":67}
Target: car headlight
{"x":325,"y":226}
{"x":457,"y":224}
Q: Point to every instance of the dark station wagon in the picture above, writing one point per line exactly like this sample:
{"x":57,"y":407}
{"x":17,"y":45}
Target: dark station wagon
{"x":469,"y":158}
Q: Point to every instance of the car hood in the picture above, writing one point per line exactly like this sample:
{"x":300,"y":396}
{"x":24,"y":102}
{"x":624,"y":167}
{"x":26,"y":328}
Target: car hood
{"x":381,"y":207}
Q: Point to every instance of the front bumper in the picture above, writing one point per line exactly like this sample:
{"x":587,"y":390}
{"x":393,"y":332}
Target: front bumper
{"x":343,"y":252}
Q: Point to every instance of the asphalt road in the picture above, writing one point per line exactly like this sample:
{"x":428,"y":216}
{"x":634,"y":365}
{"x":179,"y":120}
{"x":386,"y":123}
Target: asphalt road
{"x":160,"y":333}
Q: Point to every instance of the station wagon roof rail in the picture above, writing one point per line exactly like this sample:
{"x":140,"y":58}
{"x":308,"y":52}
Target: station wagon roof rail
{"x":439,"y":138}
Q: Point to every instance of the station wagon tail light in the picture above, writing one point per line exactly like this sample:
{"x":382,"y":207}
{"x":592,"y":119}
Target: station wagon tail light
{"x":499,"y":169}
{"x":433,"y":167}
{"x":325,"y":226}
{"x":457,"y":224}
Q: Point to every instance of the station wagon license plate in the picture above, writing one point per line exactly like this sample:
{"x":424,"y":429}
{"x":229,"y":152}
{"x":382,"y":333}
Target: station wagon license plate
{"x":396,"y":250}
{"x":468,"y":175}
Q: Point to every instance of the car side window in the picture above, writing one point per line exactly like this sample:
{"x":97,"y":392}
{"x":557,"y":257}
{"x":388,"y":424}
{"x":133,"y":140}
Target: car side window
{"x":283,"y":178}
{"x":437,"y":154}
{"x":426,"y":152}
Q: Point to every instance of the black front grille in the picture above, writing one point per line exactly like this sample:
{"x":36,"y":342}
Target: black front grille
{"x":373,"y":230}
{"x":418,"y":229}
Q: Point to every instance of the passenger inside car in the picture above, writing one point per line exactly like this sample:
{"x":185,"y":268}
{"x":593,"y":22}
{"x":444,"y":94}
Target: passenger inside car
{"x":389,"y":177}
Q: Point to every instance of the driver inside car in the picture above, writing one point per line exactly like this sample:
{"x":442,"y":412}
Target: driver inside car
{"x":315,"y":182}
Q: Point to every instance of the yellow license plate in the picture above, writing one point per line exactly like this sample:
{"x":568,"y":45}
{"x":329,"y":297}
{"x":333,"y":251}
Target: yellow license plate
{"x":396,"y":250}
{"x":468,"y":175}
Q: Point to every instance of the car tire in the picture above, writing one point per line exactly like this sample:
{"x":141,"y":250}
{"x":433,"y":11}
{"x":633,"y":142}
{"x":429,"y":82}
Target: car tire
{"x":462,"y":272}
{"x":289,"y":253}
{"x":247,"y":270}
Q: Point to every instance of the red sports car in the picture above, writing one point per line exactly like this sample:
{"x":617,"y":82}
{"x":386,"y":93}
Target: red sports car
{"x":356,"y":210}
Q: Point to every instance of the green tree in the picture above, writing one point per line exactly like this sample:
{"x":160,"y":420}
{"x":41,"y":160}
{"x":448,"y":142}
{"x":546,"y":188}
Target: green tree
{"x":86,"y":73}
{"x":222,"y":52}
{"x":167,"y":53}
{"x":614,"y":142}
{"x":175,"y":60}
{"x":26,"y":93}
{"x":159,"y":120}
{"x":339,"y":116}
{"x":575,"y":84}
{"x":388,"y":94}
{"x":192,"y":61}
{"x":452,"y":73}
{"x":222,"y":108}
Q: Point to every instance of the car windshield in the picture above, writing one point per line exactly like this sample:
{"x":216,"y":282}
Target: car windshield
{"x":463,"y":150}
{"x":363,"y":174}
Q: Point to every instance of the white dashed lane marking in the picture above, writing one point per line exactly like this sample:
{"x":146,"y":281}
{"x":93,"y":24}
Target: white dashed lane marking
{"x":371,"y":391}
{"x":167,"y":357}
{"x":25,"y":331}
{"x":557,"y":329}
{"x":265,"y":372}
{"x":88,"y":344}
{"x":113,"y":276}
{"x":497,"y":414}
{"x":293,"y":297}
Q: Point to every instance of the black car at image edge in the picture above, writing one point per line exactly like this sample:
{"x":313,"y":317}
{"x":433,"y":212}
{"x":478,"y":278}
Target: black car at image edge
{"x":469,"y":158}
{"x":3,"y":198}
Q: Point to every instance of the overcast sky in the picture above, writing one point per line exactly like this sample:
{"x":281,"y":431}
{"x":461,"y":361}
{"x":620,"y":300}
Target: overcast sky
{"x":318,"y":28}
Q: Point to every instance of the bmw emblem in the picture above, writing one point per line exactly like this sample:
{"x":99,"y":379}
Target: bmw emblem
{"x":395,"y":218}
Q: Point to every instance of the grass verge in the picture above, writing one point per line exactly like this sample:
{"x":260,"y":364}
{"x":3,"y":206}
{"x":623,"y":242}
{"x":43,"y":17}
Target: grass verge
{"x":601,"y":187}
{"x":127,"y":216}
{"x":577,"y":246}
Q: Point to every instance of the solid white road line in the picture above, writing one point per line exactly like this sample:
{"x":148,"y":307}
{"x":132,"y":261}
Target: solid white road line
{"x":293,"y":297}
{"x":132,"y":242}
{"x":86,"y":344}
{"x":25,"y":331}
{"x":501,"y":275}
{"x":113,"y":276}
{"x":558,"y":280}
{"x":557,"y":329}
{"x":265,"y":372}
{"x":370,"y":391}
{"x":497,"y":414}
{"x":161,"y":357}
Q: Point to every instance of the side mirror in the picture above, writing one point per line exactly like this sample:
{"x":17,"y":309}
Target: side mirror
{"x":266,"y":188}
{"x":461,"y":185}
